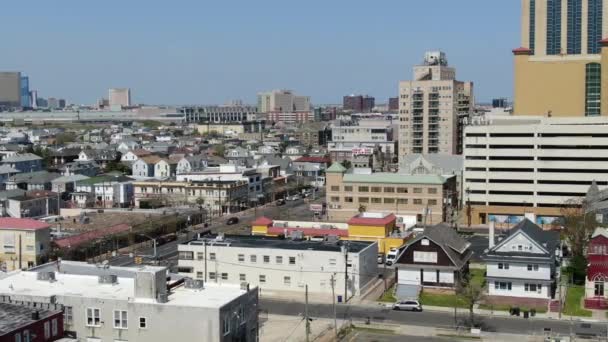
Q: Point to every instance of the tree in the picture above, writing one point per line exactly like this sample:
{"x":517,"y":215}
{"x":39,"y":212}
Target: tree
{"x":64,"y":138}
{"x":219,"y":150}
{"x":579,"y":223}
{"x":118,"y":166}
{"x":347,"y":164}
{"x":471,"y":293}
{"x":362,"y":208}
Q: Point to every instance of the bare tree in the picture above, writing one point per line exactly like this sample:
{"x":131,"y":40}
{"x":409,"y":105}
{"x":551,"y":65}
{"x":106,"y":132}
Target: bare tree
{"x":472,"y":293}
{"x":579,"y":223}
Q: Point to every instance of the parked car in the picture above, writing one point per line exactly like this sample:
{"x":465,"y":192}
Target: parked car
{"x":408,"y":305}
{"x":391,"y":257}
{"x":380,"y":258}
{"x":232,"y":220}
{"x":280,"y":202}
{"x":293,"y":197}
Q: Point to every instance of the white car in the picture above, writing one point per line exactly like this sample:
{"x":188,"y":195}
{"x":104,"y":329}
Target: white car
{"x":391,"y":257}
{"x":293,"y":198}
{"x":408,"y":305}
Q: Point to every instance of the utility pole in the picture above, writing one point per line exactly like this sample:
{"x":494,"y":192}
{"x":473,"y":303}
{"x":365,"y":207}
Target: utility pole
{"x":345,"y":271}
{"x":306,"y":316}
{"x":333,"y":298}
{"x":205,"y":246}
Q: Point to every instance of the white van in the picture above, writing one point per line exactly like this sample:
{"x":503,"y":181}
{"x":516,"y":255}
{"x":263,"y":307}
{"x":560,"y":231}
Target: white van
{"x":391,"y":257}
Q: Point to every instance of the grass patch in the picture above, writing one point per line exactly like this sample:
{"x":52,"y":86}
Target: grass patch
{"x":388,"y":296}
{"x":478,"y":276}
{"x":448,"y":300}
{"x":574,"y":298}
{"x":374,"y":330}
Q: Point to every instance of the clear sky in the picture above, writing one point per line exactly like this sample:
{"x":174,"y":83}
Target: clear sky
{"x":205,"y":52}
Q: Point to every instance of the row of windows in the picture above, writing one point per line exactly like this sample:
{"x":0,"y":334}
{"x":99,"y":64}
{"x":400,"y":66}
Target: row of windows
{"x":189,"y":255}
{"x":399,"y":190}
{"x":262,"y":279}
{"x":93,"y":319}
{"x":375,"y":200}
{"x":505,"y":266}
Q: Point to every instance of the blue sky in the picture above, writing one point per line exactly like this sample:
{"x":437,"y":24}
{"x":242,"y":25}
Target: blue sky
{"x":201,"y":51}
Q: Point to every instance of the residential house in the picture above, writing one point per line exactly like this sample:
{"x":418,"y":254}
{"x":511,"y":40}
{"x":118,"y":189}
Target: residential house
{"x":165,"y":168}
{"x":24,"y":323}
{"x":132,"y":155}
{"x":294,"y":152}
{"x":105,"y":191}
{"x":101,"y":156}
{"x":311,"y":169}
{"x":7,"y":150}
{"x":77,"y":167}
{"x":65,"y":155}
{"x":6,"y":172}
{"x":239,"y":156}
{"x":438,"y":258}
{"x":192,"y":163}
{"x":34,"y":204}
{"x":596,"y":282}
{"x":65,"y":184}
{"x":39,"y":180}
{"x":127,"y":145}
{"x":523,"y":264}
{"x":145,"y":167}
{"x":24,"y":243}
{"x":26,"y":162}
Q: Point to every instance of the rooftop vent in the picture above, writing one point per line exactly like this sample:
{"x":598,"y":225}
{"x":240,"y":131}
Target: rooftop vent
{"x":194,"y":284}
{"x":332,"y":239}
{"x":108,"y":279}
{"x":296,"y":235}
{"x":46,"y":276}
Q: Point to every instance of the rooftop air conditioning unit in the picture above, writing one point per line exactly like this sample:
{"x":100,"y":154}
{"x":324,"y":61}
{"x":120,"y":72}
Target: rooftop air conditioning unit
{"x":108,"y":279}
{"x":196,"y":284}
{"x":46,"y":276}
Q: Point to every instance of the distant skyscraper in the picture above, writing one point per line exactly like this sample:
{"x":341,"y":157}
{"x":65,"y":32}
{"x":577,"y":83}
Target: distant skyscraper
{"x":393,"y":104}
{"x":119,"y":97}
{"x":52,"y":103}
{"x":499,"y":103}
{"x":358,"y":103}
{"x":284,"y":101}
{"x":61,"y":103}
{"x":10,"y":89}
{"x":41,"y":102}
{"x":34,"y":98}
{"x":26,"y":101}
{"x":431,"y":108}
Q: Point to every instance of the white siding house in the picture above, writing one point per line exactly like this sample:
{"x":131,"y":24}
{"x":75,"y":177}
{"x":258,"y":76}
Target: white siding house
{"x":523,"y":264}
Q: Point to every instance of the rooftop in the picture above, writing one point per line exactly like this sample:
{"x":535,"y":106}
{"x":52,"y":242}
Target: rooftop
{"x":21,"y":224}
{"x":21,"y":157}
{"x":393,"y":178}
{"x":369,"y":219}
{"x":79,"y":279}
{"x":13,"y":317}
{"x":246,"y":241}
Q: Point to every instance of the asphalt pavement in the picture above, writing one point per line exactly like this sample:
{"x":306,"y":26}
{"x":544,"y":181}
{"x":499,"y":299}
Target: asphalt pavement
{"x":166,"y":254}
{"x":436,"y":319}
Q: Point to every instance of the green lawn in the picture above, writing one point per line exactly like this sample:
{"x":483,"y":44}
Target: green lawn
{"x":388,"y":296}
{"x":574,"y":297}
{"x":448,"y":300}
{"x":478,"y":276}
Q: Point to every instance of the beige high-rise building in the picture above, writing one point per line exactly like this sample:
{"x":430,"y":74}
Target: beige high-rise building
{"x":431,"y":108}
{"x":560,"y":68}
{"x":10,"y":89}
{"x":284,"y":101}
{"x":119,"y":97}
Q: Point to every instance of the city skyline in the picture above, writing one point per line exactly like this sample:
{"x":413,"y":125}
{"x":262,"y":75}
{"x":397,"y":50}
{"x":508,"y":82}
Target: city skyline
{"x":192,"y":54}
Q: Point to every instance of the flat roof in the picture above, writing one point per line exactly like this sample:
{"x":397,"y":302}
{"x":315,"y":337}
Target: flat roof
{"x":393,"y":178}
{"x":86,"y":269}
{"x":252,"y":241}
{"x":24,"y":285}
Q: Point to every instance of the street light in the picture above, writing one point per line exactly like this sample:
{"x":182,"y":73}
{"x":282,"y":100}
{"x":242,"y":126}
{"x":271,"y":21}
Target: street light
{"x":153,"y":240}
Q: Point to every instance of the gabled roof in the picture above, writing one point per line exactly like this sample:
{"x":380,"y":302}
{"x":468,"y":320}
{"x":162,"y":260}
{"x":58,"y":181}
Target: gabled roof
{"x":36,"y":177}
{"x":546,"y":241}
{"x":454,"y":246}
{"x":21,"y":157}
{"x":151,"y":159}
{"x":599,"y":231}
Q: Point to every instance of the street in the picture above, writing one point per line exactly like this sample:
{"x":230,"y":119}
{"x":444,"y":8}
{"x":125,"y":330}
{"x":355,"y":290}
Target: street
{"x":435,"y":319}
{"x":166,"y":254}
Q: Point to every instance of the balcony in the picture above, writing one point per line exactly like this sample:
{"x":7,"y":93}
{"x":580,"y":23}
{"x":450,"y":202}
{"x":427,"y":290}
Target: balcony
{"x":433,"y":128}
{"x":418,"y":128}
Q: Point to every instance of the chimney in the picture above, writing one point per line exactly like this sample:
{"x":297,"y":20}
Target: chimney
{"x":491,"y":235}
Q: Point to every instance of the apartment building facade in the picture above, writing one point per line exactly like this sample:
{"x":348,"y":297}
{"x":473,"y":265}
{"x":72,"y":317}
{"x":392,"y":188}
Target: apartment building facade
{"x":281,"y":100}
{"x":278,"y":264}
{"x":432,"y":107}
{"x":24,"y":243}
{"x":426,"y":199}
{"x":523,"y":166}
{"x":217,"y":196}
{"x":561,"y":66}
{"x":219,"y":114}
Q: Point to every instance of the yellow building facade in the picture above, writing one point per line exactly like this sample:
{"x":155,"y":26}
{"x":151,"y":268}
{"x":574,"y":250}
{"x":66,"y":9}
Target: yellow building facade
{"x":561,"y":69}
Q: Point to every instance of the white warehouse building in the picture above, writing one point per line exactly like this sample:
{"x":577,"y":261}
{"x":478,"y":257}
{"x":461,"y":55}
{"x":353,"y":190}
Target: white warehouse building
{"x":120,"y":304}
{"x":276,"y":264}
